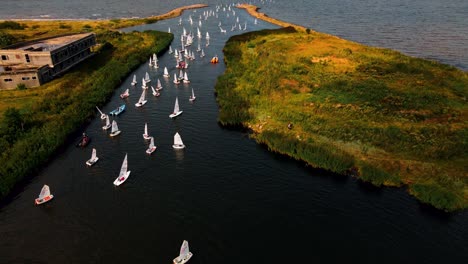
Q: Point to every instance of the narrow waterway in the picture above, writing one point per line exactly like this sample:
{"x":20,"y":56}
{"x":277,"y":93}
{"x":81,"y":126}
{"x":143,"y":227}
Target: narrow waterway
{"x":234,"y":201}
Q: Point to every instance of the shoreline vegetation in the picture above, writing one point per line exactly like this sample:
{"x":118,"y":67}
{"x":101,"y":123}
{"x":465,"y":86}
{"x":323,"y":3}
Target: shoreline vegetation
{"x":36,"y":122}
{"x":372,"y":113}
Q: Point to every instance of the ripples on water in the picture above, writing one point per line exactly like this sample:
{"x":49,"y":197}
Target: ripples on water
{"x":231,"y":198}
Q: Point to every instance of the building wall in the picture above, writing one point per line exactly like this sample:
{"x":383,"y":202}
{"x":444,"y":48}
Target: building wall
{"x":9,"y":80}
{"x":51,"y":63}
{"x":12,"y":57}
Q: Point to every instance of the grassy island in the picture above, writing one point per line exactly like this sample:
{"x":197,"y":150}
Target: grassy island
{"x":373,"y":113}
{"x":35,"y":122}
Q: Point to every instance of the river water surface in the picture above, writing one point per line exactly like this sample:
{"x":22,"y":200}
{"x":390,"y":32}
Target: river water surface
{"x":234,"y":201}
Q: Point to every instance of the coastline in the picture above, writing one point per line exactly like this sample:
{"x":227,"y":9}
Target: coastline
{"x":253,"y":11}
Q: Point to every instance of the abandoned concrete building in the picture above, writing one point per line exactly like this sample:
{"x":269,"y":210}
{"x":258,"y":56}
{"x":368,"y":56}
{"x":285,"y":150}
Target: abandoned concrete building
{"x":37,"y":62}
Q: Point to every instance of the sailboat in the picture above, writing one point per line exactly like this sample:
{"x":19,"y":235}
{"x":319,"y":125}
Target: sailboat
{"x":142,"y":100}
{"x":93,"y":158}
{"x":192,"y":97}
{"x":198,"y":47}
{"x":176,"y":81}
{"x":150,"y":63}
{"x":117,"y":111}
{"x":44,"y":196}
{"x":103,"y":116}
{"x":166,"y":72}
{"x":181,"y":75}
{"x":159,"y":86}
{"x":202,"y":53}
{"x":184,"y":254}
{"x":108,"y":123}
{"x":143,"y":84}
{"x":134,"y":81}
{"x":177,"y":111}
{"x":151,"y":147}
{"x":125,"y":94}
{"x":170,"y":50}
{"x":155,"y":92}
{"x":186,"y":79}
{"x":155,"y":61}
{"x":147,"y":78}
{"x":124,"y":173}
{"x":146,"y":135}
{"x":115,"y":129}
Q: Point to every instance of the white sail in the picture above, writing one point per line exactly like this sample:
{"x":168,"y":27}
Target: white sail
{"x":115,"y":128}
{"x":207,"y":35}
{"x":178,"y":140}
{"x":176,"y":106}
{"x":159,"y":86}
{"x":184,"y":249}
{"x":108,"y":124}
{"x":166,"y":72}
{"x":143,"y":83}
{"x":202,"y":53}
{"x":123,"y":169}
{"x":186,"y":79}
{"x":150,"y":62}
{"x":169,"y":30}
{"x":45,"y":191}
{"x":151,"y":145}
{"x":147,"y":77}
{"x":142,"y":97}
{"x":155,"y":58}
{"x":181,"y":75}
{"x":176,"y":81}
{"x":134,"y":81}
{"x":146,"y":129}
{"x":170,"y":50}
{"x":93,"y":155}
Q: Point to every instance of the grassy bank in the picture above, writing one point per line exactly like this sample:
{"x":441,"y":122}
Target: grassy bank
{"x":37,"y":121}
{"x":385,"y":117}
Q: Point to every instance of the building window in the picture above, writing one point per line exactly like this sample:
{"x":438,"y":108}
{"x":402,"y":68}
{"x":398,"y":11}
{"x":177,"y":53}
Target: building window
{"x":4,"y":57}
{"x":7,"y":80}
{"x":25,"y":78}
{"x":27,"y":58}
{"x":34,"y":78}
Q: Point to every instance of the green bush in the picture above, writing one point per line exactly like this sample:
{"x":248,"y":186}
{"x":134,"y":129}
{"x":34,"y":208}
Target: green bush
{"x":21,"y":86}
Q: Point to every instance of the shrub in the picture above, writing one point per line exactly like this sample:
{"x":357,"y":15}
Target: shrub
{"x":21,"y":86}
{"x":11,"y":25}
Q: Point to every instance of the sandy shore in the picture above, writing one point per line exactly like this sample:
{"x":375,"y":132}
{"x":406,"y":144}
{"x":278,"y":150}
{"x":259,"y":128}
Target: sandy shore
{"x":253,"y":11}
{"x":177,"y":12}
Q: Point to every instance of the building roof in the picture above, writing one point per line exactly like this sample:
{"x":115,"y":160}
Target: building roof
{"x":51,"y":44}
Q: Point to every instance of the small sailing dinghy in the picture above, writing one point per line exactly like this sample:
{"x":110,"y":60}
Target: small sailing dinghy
{"x":186,"y":79}
{"x":134,"y":81}
{"x":176,"y":81}
{"x":115,"y":129}
{"x":142,"y":100}
{"x":124,"y":173}
{"x":184,"y":255}
{"x":177,"y":111}
{"x":170,"y":50}
{"x":143,"y":84}
{"x":147,"y":78}
{"x":108,"y":124}
{"x":146,"y":135}
{"x":125,"y":94}
{"x":202,"y":54}
{"x":178,"y":144}
{"x":192,"y":97}
{"x":93,"y":158}
{"x":84,"y":141}
{"x":159,"y":86}
{"x":155,"y":92}
{"x":151,"y":147}
{"x":103,"y":116}
{"x":44,"y":196}
{"x":117,"y":111}
{"x":166,"y":73}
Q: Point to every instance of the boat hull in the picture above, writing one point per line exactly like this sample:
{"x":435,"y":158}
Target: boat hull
{"x":147,"y":137}
{"x":106,"y":127}
{"x":43,"y":200}
{"x":180,"y":260}
{"x":150,"y":150}
{"x":178,"y":146}
{"x":122,"y":179}
{"x":141,"y":104}
{"x":175,"y":114}
{"x":91,"y":162}
{"x":192,"y":99}
{"x":116,"y":133}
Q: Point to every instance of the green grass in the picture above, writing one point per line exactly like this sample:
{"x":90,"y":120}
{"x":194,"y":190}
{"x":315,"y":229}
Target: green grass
{"x":392,"y":119}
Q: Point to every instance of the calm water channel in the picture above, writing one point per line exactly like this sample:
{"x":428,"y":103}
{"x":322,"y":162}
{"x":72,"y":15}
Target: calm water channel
{"x":234,"y":201}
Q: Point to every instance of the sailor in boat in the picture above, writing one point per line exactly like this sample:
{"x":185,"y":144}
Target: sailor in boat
{"x":84,"y":140}
{"x":214,"y":59}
